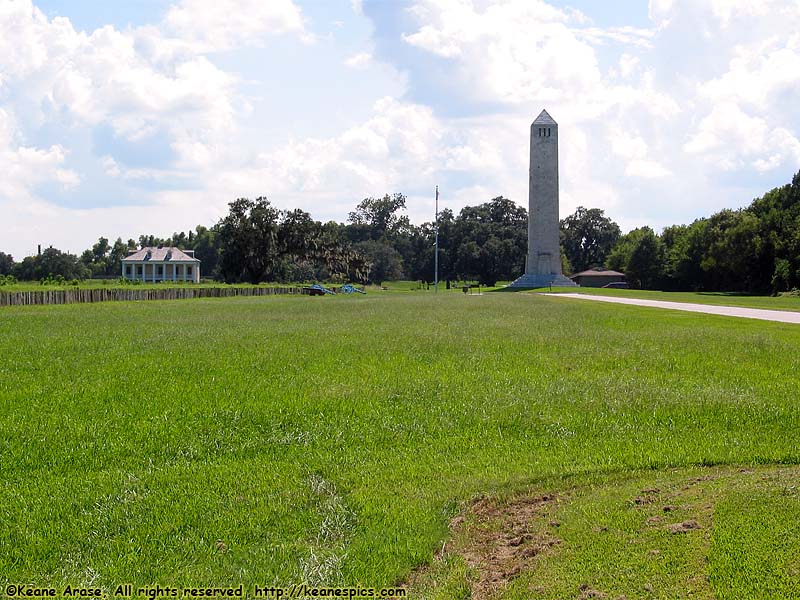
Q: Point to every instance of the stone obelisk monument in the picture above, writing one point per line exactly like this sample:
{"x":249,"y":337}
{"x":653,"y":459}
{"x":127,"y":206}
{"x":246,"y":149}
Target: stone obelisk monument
{"x":543,"y":265}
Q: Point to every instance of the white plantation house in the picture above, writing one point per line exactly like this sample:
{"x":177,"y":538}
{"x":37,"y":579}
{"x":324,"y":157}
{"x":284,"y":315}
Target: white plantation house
{"x":161,"y":264}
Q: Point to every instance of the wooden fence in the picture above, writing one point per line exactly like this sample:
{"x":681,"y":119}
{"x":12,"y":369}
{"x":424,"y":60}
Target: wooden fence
{"x":70,"y":296}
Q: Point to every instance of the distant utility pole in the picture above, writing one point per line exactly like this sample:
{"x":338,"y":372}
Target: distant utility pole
{"x":436,"y":245}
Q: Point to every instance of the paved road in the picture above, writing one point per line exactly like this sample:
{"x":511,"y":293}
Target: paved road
{"x":784,"y":316}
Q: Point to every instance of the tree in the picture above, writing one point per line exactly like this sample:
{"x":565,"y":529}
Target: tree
{"x":587,"y":237}
{"x":684,"y":246}
{"x":732,"y":257}
{"x":119,"y":251}
{"x":100,"y":250}
{"x":206,"y":250}
{"x":646,"y":263}
{"x":384,"y":261}
{"x":248,"y":238}
{"x":781,"y":276}
{"x":6,"y":263}
{"x":299,"y":235}
{"x":51,"y":263}
{"x":151,"y":240}
{"x":778,"y":214}
{"x":489,"y":241}
{"x":640,"y":255}
{"x":376,"y":218}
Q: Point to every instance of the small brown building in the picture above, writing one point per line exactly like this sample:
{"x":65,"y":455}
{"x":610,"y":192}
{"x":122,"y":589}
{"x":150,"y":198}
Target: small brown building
{"x":597,"y":277}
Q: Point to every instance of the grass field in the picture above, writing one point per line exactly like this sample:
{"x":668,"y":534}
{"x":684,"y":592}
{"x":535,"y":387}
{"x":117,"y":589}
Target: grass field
{"x":333,"y":440}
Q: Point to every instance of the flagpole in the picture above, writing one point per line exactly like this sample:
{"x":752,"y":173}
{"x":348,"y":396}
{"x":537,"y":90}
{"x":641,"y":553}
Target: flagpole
{"x":436,"y":252}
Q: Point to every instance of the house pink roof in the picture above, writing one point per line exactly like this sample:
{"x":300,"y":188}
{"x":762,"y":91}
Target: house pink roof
{"x":160,"y":255}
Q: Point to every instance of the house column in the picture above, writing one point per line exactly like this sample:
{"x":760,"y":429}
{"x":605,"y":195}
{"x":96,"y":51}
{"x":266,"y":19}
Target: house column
{"x":174,"y":267}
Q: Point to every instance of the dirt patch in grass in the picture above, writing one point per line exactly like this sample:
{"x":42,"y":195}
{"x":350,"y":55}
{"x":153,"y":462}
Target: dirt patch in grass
{"x":496,"y":540}
{"x":506,"y":539}
{"x":684,"y":526}
{"x":609,"y":538}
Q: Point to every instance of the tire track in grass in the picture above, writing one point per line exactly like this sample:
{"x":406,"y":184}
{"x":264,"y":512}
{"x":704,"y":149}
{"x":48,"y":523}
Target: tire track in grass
{"x":328,"y":549}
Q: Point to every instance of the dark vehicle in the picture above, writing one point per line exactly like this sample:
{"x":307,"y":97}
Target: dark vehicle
{"x":317,"y":290}
{"x":617,"y":285}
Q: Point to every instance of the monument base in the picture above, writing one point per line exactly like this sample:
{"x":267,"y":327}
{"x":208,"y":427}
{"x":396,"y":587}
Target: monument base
{"x":533,"y":280}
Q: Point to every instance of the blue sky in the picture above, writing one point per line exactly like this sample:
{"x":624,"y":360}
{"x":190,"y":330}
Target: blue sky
{"x":124,"y":118}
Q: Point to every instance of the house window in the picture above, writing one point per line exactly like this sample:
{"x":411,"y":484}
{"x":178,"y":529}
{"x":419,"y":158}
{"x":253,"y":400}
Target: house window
{"x":139,"y":269}
{"x":189,"y":271}
{"x":161,"y":270}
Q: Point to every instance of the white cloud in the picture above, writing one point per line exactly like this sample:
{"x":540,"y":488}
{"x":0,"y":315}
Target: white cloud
{"x":659,"y":11}
{"x":634,"y":150}
{"x":648,"y":169}
{"x":515,"y":50}
{"x":138,"y":81}
{"x":225,"y":24}
{"x":105,"y":77}
{"x":728,"y":10}
{"x":649,"y":118}
{"x":758,"y":73}
{"x":731,"y":138}
{"x":26,"y":166}
{"x":733,"y":103}
{"x":358,"y":61}
{"x":110,"y":166}
{"x":632,"y":36}
{"x":627,"y":64}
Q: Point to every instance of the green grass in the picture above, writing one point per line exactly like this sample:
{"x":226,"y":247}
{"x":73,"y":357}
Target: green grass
{"x":329,"y":440}
{"x":615,"y":535}
{"x":719,"y":298}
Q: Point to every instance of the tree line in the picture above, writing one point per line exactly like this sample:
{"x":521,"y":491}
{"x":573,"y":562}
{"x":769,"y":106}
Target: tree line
{"x":754,"y":249}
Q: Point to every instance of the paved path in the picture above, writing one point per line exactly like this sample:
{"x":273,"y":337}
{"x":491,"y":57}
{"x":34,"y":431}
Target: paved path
{"x":784,"y":316}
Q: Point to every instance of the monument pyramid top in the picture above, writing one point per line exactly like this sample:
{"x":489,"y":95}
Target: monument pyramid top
{"x":544,"y":119}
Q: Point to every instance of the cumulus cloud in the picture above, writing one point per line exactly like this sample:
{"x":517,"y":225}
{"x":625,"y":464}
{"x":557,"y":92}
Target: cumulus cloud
{"x":139,"y":83}
{"x":650,"y":117}
{"x":514,"y":49}
{"x":711,"y":87}
{"x":360,"y":60}
{"x":731,"y":138}
{"x":215,"y":25}
{"x":759,"y":73}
